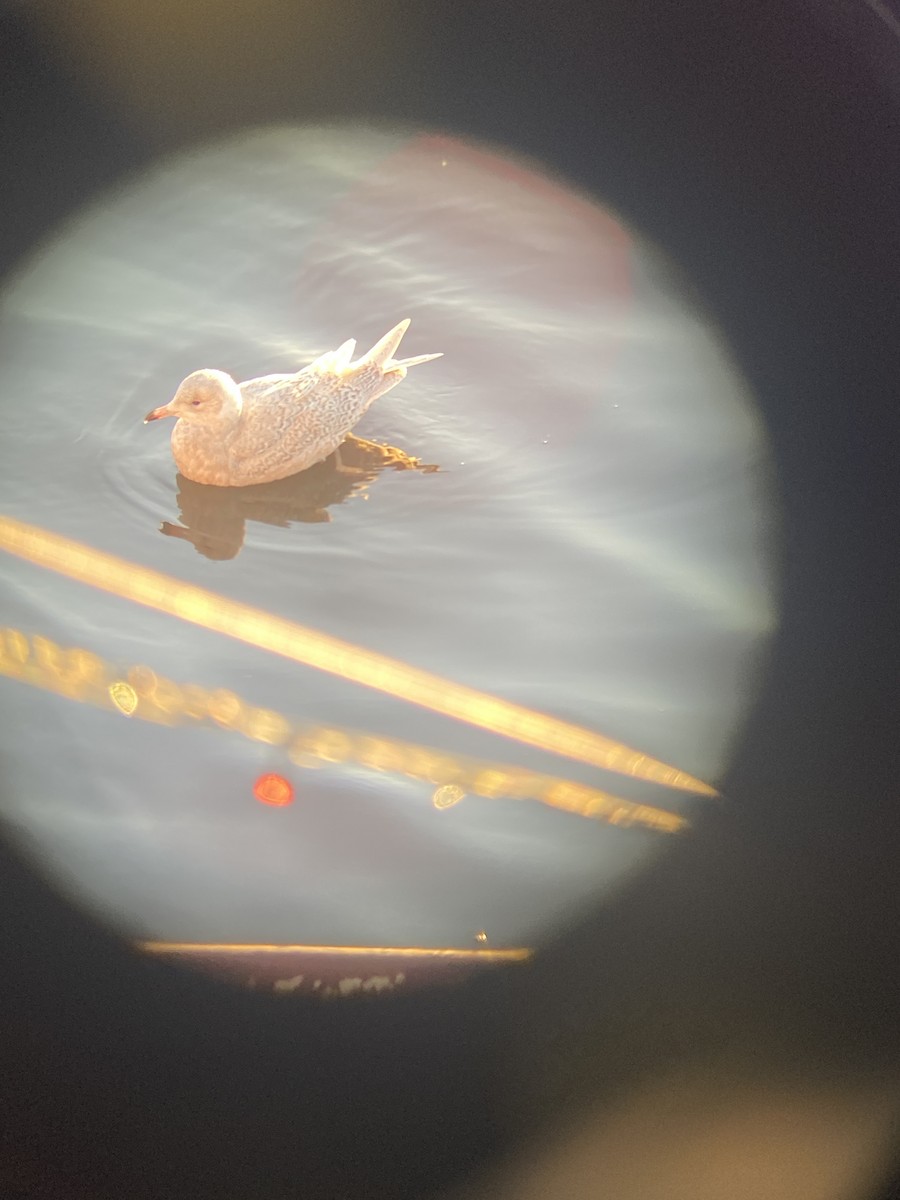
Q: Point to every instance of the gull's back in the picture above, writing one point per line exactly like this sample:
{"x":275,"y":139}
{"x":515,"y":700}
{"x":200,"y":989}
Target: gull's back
{"x":291,"y":422}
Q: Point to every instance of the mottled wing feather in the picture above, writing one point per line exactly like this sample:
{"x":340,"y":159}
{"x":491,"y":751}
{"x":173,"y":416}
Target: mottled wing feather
{"x":292,"y":421}
{"x":274,"y":407}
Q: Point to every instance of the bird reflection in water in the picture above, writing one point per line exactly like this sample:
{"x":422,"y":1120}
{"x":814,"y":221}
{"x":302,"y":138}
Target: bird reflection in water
{"x":214,"y":518}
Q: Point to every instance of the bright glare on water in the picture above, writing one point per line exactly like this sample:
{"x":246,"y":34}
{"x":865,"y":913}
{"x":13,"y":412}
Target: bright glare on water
{"x":571,"y":510}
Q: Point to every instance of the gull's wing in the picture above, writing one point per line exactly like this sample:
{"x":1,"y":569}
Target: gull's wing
{"x":285,"y":416}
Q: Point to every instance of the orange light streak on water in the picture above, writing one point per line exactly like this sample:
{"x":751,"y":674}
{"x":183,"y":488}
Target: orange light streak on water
{"x":516,"y":954}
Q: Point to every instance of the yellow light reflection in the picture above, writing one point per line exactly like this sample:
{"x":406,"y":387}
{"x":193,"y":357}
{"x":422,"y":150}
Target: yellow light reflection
{"x":123,"y":696}
{"x":311,"y":648}
{"x":513,"y":955}
{"x":152,"y":697}
{"x":447,"y":796}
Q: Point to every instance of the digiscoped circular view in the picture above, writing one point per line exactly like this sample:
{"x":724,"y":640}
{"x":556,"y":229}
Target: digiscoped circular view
{"x":388,"y":654}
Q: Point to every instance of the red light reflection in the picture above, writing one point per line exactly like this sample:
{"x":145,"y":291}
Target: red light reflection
{"x":274,"y":790}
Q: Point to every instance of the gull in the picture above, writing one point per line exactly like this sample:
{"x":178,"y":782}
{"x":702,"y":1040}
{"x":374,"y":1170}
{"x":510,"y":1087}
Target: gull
{"x":238,"y":434}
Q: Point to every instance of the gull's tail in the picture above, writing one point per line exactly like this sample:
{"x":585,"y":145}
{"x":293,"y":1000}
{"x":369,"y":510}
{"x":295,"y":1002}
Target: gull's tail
{"x":382,"y":354}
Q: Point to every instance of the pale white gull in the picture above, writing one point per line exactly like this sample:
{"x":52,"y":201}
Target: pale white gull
{"x":234,"y":435}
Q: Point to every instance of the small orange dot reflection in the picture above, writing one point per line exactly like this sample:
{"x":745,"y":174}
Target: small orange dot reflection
{"x":481,"y":936}
{"x":274,"y":790}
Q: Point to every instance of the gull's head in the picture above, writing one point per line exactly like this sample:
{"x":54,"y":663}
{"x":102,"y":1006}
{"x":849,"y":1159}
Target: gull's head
{"x":205,"y":397}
